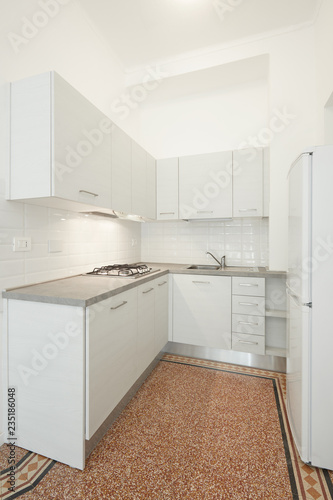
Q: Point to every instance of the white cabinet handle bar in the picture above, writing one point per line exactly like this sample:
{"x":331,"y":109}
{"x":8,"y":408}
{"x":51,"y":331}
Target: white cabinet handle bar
{"x":247,"y":323}
{"x":120,"y":305}
{"x":248,"y":342}
{"x":205,"y":211}
{"x":204,"y":282}
{"x":88,"y":192}
{"x":247,"y":304}
{"x":248,"y":284}
{"x":247,"y":210}
{"x":147,"y":291}
{"x":161,"y":284}
{"x":167,"y":213}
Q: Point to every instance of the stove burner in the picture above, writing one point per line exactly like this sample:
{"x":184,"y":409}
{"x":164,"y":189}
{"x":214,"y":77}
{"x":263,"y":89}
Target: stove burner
{"x":122,"y":270}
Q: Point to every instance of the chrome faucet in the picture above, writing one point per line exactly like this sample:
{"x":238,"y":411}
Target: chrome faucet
{"x":222,"y":263}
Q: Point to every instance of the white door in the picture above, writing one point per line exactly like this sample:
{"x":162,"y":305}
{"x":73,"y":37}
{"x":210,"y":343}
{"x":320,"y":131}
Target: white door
{"x":167,"y":188}
{"x":205,"y":186}
{"x":298,"y":374}
{"x":82,"y":148}
{"x":248,"y":178}
{"x":161,"y":313}
{"x":139,"y":179}
{"x":121,"y":171}
{"x":202,"y":310}
{"x":299,"y":228}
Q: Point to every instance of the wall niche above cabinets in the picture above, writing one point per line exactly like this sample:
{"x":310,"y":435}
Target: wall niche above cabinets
{"x":65,"y":153}
{"x":223,"y":185}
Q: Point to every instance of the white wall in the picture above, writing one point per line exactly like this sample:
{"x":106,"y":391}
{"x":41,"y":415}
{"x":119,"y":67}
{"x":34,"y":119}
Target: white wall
{"x":69,"y":45}
{"x":290,"y":92}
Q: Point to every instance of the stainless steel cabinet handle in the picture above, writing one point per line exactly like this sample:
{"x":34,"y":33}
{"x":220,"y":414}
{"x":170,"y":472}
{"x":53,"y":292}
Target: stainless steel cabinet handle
{"x":247,"y":210}
{"x":204,"y":282}
{"x":247,"y":323}
{"x":248,"y":284}
{"x":247,"y":342}
{"x":88,"y":192}
{"x":204,"y":211}
{"x":147,"y":291}
{"x":247,"y":304}
{"x":161,"y":284}
{"x":167,"y":213}
{"x":120,"y":305}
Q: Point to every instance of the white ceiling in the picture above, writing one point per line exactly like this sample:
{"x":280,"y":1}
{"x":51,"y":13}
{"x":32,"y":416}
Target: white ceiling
{"x":142,"y":31}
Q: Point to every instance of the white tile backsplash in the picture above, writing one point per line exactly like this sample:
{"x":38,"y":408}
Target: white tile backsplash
{"x":86,"y":242}
{"x":244,"y":242}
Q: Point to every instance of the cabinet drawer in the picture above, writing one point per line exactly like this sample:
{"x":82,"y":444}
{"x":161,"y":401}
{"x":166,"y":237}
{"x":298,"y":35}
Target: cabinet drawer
{"x":248,"y":343}
{"x":248,"y":305}
{"x":252,"y":325}
{"x":248,"y":286}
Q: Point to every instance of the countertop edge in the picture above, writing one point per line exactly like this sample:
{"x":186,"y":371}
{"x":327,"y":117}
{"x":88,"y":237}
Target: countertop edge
{"x":21,"y":293}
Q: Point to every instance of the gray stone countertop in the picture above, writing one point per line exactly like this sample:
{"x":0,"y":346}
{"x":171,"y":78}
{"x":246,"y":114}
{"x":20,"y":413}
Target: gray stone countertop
{"x":83,"y":290}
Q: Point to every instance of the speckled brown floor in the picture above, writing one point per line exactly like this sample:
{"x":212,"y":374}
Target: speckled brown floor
{"x":195,"y":430}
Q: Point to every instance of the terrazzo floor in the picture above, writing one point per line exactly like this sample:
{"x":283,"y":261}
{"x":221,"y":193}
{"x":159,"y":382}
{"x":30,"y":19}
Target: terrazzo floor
{"x":197,"y":430}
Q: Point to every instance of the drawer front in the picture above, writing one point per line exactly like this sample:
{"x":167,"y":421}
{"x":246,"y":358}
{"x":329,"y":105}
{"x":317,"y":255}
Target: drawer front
{"x":253,"y":306}
{"x":254,"y":344}
{"x":248,"y":286}
{"x":252,"y":325}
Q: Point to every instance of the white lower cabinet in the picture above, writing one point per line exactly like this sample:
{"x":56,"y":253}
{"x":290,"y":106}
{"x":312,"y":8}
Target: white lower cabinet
{"x":71,"y":365}
{"x":202,"y":310}
{"x":111,"y":355}
{"x":248,"y":315}
{"x":161,"y":313}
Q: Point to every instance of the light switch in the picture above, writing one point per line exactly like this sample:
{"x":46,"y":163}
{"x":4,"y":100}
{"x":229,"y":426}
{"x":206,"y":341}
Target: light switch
{"x":21,"y":244}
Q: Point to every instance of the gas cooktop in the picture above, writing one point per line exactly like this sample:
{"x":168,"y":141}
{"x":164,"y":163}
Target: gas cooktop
{"x":123,"y":271}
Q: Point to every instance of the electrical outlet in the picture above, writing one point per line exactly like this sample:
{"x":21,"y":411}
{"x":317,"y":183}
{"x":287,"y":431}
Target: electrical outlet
{"x":22,"y":244}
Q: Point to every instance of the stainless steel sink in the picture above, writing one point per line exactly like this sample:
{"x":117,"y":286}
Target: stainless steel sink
{"x":205,"y":267}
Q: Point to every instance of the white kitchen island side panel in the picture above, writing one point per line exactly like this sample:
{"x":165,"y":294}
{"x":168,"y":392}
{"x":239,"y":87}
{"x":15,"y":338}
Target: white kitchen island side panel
{"x":46,"y":355}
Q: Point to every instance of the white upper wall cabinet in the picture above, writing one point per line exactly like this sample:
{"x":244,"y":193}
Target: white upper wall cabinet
{"x":205,"y":186}
{"x":60,"y":144}
{"x":167,"y":189}
{"x":143,"y":182}
{"x":248,"y":183}
{"x":121,"y":171}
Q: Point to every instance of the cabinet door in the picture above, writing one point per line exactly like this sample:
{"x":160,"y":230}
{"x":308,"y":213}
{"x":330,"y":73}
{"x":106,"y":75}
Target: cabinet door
{"x":150,"y":211}
{"x":121,"y":171}
{"x":248,"y":178}
{"x":81,"y":149}
{"x":167,"y":188}
{"x":202,"y":310}
{"x":111,"y":355}
{"x":146,"y":326}
{"x":161,"y":313}
{"x":205,"y":186}
{"x":139,"y":180}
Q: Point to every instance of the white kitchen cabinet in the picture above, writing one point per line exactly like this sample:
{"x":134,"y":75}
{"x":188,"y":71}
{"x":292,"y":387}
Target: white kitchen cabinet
{"x":248,"y":314}
{"x":121,"y":171}
{"x":46,"y":365}
{"x":248,"y":183}
{"x":60,"y":145}
{"x":161,"y":313}
{"x":151,"y":187}
{"x":202,"y":310}
{"x":146,"y":326}
{"x":143,"y":182}
{"x":205,"y":186}
{"x":167,"y":189}
{"x":111,"y":355}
